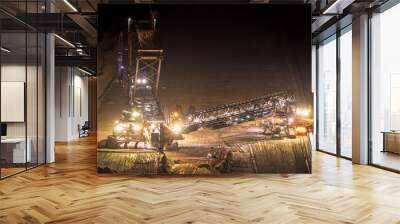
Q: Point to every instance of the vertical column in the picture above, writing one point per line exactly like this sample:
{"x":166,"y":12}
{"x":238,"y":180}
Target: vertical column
{"x":50,"y":99}
{"x":50,"y":92}
{"x":360,"y":90}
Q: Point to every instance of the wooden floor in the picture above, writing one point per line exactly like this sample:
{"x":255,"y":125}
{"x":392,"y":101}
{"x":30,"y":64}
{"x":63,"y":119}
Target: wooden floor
{"x":387,"y":159}
{"x":70,"y":191}
{"x":5,"y":172}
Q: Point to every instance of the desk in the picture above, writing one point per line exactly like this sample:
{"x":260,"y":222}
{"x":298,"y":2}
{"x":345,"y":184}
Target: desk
{"x":13,"y":150}
{"x":391,"y":141}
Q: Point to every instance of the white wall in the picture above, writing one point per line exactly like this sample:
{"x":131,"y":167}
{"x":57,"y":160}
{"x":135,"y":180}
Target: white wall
{"x":10,"y":73}
{"x":81,"y":96}
{"x":61,"y":104}
{"x":16,"y":73}
{"x":33,"y":127}
{"x":71,"y":103}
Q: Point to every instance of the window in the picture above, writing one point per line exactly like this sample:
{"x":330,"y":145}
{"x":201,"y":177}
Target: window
{"x":385,"y":88}
{"x":327,"y":96}
{"x":346,"y":92}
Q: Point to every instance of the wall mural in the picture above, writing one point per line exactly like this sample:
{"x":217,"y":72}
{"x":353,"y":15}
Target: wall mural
{"x":204,"y":89}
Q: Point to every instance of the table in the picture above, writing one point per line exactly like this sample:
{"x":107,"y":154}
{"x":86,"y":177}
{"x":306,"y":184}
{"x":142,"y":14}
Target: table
{"x":391,"y":141}
{"x":13,"y":150}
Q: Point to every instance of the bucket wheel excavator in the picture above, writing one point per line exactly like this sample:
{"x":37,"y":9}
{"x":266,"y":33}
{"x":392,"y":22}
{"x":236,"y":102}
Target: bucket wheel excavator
{"x":142,"y":123}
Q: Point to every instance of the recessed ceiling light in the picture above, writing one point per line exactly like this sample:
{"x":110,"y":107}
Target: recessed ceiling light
{"x":337,"y":7}
{"x":64,"y":40}
{"x":84,"y":71}
{"x":70,"y":5}
{"x":5,"y":49}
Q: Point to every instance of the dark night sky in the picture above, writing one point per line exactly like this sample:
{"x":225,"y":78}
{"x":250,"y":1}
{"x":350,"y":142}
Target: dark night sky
{"x":217,"y":54}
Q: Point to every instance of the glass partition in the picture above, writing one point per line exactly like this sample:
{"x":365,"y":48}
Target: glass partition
{"x":13,"y":94}
{"x":327,"y":96}
{"x":31,"y":97}
{"x":34,"y":64}
{"x":22,"y":91}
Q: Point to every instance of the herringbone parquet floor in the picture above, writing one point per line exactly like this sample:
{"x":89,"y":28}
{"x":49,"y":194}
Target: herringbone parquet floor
{"x":70,"y":191}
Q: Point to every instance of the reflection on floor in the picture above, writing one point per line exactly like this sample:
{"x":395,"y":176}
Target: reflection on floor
{"x":346,"y":152}
{"x":10,"y":171}
{"x":387,"y":159}
{"x":70,"y":191}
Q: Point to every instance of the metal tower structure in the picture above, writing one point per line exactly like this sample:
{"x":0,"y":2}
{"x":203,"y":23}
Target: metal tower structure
{"x":145,"y":88}
{"x":144,"y":66}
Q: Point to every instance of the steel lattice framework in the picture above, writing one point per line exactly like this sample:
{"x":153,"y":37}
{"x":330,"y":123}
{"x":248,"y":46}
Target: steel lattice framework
{"x":143,"y":67}
{"x":146,"y":82}
{"x":240,"y":111}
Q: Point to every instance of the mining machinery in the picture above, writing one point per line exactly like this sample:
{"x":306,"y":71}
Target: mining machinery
{"x":139,"y":68}
{"x":139,"y":65}
{"x":279,"y":103}
{"x":129,"y":130}
{"x":277,"y":111}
